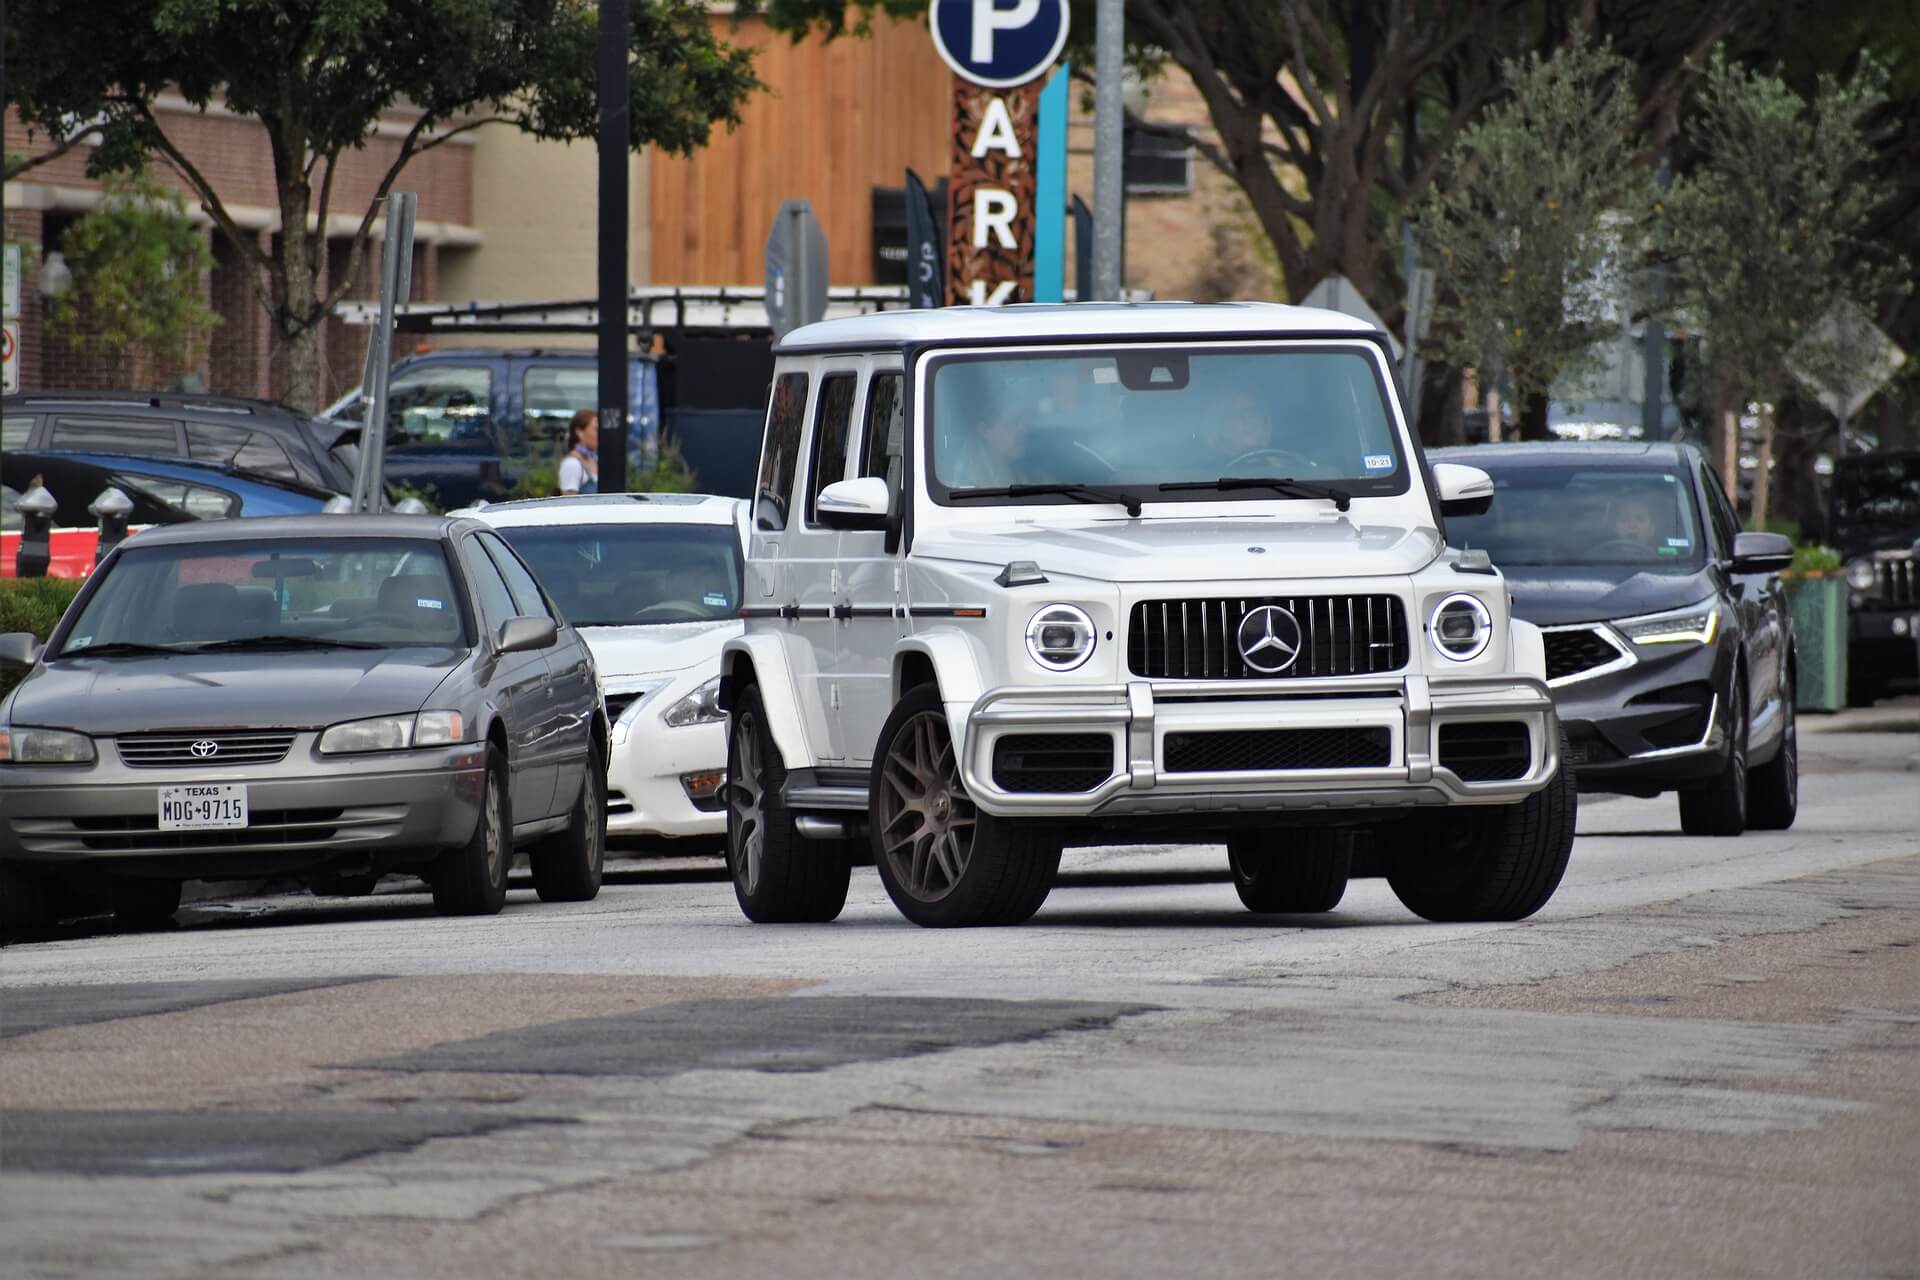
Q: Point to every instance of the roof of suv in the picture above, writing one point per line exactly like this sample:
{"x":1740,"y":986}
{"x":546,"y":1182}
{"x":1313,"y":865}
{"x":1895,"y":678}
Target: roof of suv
{"x":1071,"y":320}
{"x":144,"y":403}
{"x":1652,"y":455}
{"x":612,"y":508}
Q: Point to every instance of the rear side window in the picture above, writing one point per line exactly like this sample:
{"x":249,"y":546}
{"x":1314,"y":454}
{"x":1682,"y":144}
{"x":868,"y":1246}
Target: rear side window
{"x":832,"y":423}
{"x":780,"y":458}
{"x":552,"y":394}
{"x":249,"y":450}
{"x":115,"y":435}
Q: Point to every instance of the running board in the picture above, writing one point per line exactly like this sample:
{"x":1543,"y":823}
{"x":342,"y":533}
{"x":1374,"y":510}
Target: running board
{"x":816,"y":796}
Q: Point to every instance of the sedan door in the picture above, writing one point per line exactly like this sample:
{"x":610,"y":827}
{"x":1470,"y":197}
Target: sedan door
{"x":516,"y":684}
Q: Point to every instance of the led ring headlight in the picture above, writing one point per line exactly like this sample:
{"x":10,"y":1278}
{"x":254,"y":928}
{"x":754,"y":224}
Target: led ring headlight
{"x":1460,"y":627}
{"x":1060,"y":637}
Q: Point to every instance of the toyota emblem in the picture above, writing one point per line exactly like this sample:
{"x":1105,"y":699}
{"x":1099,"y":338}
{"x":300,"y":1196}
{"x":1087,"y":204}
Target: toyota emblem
{"x":207,"y":748}
{"x":1269,"y":639}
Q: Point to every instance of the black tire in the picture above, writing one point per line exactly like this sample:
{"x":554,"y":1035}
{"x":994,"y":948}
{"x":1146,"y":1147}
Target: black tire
{"x":1719,"y":808}
{"x":944,"y":863}
{"x":140,"y":903}
{"x":1291,"y":871}
{"x":1489,"y":864}
{"x":472,"y":879}
{"x":25,"y":905}
{"x":1773,"y":789}
{"x":779,"y":877}
{"x":567,"y":865}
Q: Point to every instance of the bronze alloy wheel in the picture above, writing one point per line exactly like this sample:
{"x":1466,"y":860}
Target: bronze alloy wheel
{"x":926,"y":822}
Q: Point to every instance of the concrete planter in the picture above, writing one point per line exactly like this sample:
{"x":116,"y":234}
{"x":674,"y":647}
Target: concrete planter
{"x":1820,"y":634}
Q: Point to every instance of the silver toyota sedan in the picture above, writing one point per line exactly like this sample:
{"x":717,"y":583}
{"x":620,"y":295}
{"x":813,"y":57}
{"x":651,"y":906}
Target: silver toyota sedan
{"x":332,"y":697}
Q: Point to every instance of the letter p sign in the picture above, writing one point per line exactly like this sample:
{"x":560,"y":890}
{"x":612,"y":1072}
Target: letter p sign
{"x":999,"y":43}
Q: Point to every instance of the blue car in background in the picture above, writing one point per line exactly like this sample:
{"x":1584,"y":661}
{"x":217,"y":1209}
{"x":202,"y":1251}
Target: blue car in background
{"x":163,"y":490}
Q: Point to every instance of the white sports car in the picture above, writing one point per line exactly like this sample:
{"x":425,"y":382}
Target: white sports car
{"x":652,"y":581}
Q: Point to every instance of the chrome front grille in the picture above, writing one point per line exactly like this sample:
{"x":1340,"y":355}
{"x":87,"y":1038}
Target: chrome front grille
{"x":1895,"y":575}
{"x":210,"y":748}
{"x":1198,"y":639}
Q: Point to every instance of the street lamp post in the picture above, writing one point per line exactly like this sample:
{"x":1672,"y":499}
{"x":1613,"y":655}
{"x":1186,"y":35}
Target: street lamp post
{"x":614,"y":132}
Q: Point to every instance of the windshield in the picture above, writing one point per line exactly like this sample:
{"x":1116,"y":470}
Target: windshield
{"x":623,"y":575}
{"x":1877,"y":491}
{"x":350,"y":591}
{"x":1585,"y":516}
{"x":1135,"y":419}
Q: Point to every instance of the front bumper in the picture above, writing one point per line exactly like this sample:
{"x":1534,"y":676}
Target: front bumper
{"x":1884,"y":641}
{"x":1138,"y":718}
{"x":1656,"y":722}
{"x":645,"y":794}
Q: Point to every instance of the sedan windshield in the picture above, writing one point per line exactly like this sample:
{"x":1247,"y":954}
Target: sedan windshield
{"x":624,"y":575}
{"x":1585,"y":516}
{"x":272,"y":594}
{"x":1162,"y":424}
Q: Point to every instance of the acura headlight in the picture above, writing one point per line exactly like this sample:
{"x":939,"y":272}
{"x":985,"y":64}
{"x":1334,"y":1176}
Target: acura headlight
{"x":702,"y":706}
{"x":394,"y":733}
{"x":1695,"y":624}
{"x":1861,"y":575}
{"x":19,"y":745}
{"x":1060,"y":637}
{"x":1461,"y":628}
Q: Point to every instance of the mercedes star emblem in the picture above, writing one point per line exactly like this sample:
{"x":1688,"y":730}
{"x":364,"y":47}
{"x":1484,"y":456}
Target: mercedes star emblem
{"x":204,"y":748}
{"x":1269,"y":639}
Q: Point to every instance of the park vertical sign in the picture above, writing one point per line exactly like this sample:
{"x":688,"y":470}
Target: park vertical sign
{"x":1000,"y":51}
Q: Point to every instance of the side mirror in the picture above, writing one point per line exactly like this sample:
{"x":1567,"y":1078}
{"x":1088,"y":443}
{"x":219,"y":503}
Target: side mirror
{"x":1762,"y":553}
{"x":20,"y":647}
{"x":854,"y":504}
{"x":1464,"y":490}
{"x":520,"y":635}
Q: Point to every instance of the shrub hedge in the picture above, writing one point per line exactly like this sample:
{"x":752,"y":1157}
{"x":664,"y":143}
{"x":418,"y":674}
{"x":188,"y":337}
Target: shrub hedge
{"x":31,"y":604}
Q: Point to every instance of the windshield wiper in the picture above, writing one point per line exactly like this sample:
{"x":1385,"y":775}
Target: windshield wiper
{"x":286,"y":642}
{"x":115,"y":649}
{"x":1279,"y":484}
{"x":1083,"y":492}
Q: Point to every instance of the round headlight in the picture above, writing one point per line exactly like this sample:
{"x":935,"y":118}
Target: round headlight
{"x":1060,"y":637}
{"x":1860,"y":575}
{"x":1460,"y":627}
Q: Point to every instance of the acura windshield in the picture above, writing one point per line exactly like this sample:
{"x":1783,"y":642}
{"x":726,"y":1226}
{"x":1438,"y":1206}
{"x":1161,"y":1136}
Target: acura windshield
{"x":322,"y":592}
{"x":1585,"y":516}
{"x":623,"y":575}
{"x":1132,"y":420}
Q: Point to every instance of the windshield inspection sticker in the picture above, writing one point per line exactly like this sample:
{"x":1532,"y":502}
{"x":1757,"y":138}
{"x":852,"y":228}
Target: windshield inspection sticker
{"x":423,"y":603}
{"x":1681,"y":543}
{"x":1379,"y":461}
{"x":714,"y":599}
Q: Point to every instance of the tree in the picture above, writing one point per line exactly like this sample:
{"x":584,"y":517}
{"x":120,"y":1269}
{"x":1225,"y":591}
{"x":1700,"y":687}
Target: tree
{"x":1520,"y":235}
{"x":1769,"y":233}
{"x":138,"y":273}
{"x":318,"y":75}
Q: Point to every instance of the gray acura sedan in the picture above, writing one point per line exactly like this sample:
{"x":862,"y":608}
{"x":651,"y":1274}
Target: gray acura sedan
{"x":333,"y":697}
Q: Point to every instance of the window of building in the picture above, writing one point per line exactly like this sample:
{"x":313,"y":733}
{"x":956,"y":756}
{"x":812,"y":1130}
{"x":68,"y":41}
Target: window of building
{"x":1159,"y":160}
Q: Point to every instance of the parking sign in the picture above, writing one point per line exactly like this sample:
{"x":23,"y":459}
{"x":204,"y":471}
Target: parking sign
{"x":999,"y":43}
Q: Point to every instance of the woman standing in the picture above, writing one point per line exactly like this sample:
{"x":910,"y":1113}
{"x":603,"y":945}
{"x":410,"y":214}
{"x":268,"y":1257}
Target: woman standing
{"x":580,"y":469}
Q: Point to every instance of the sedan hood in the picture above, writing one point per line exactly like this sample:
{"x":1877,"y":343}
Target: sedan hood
{"x":620,"y":652}
{"x":1548,"y":595}
{"x":277,"y":690}
{"x":1182,"y":550}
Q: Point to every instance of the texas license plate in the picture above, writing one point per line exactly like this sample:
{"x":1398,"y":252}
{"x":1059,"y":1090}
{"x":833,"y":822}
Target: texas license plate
{"x":202,"y":808}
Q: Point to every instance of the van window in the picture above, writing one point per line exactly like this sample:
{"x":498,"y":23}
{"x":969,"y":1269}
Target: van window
{"x":248,"y":450}
{"x":552,"y":394}
{"x":441,"y":404}
{"x":115,"y":435}
{"x":832,"y":423}
{"x":780,"y":458}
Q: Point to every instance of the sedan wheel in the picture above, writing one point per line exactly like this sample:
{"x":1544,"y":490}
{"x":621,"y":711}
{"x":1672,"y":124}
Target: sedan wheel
{"x":472,"y":879}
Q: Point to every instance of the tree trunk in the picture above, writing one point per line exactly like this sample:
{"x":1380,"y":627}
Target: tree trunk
{"x":1495,"y":427}
{"x":1533,"y":418}
{"x":1441,"y":423}
{"x":293,"y":282}
{"x":1763,"y":469}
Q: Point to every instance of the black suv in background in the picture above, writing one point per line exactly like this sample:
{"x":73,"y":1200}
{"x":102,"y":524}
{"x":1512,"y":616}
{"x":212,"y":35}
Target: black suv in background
{"x":248,"y":437}
{"x":1874,"y":511}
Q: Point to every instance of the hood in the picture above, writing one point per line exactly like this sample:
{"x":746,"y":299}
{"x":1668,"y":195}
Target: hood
{"x":621,"y":652}
{"x":299,"y":690}
{"x":1548,"y":595}
{"x":1186,"y":550}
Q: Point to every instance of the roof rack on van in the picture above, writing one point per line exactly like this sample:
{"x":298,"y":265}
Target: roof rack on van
{"x":153,"y":400}
{"x":725,"y":309}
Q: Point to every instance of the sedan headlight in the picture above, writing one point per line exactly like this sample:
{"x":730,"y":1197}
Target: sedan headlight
{"x":21,"y":745}
{"x":1060,"y":637}
{"x":393,"y":733}
{"x":1695,"y":624}
{"x":1461,"y":628}
{"x":1861,"y":575}
{"x":702,"y":706}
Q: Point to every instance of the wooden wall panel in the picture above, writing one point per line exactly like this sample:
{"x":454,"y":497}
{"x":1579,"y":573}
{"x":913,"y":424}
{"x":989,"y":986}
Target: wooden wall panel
{"x":837,"y":120}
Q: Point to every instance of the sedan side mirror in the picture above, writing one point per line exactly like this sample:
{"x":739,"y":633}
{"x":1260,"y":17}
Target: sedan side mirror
{"x":521,"y":635}
{"x":19,"y":646}
{"x":1464,"y":490}
{"x":854,"y":504}
{"x":1762,"y":553}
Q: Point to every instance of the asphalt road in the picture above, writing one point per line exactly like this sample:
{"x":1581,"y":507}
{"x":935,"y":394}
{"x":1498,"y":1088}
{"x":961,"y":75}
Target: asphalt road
{"x":1703,"y":1058}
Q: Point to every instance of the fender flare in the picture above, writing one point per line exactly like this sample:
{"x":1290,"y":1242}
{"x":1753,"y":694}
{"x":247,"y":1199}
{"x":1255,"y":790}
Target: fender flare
{"x":760,"y":660}
{"x":956,"y":671}
{"x":1527,"y":649}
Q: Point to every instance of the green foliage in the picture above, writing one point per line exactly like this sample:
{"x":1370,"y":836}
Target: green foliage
{"x":35,"y":604}
{"x":137,"y":263}
{"x":1811,"y":560}
{"x":1527,"y":236}
{"x":670,"y":474}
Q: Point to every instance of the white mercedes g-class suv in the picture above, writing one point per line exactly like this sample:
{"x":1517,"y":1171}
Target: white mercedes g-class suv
{"x":1029,"y":576}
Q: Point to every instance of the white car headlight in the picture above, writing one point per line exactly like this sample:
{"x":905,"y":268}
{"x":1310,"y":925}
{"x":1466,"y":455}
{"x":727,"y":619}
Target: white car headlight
{"x":1861,"y":575}
{"x":394,"y":733}
{"x":1695,"y":624}
{"x":1060,"y":637}
{"x":20,"y":745}
{"x":702,"y":706}
{"x":1460,"y":627}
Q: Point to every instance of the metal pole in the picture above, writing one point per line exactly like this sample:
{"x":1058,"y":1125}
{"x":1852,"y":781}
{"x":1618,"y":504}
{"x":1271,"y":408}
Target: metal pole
{"x":1109,"y":148}
{"x":1653,"y":411}
{"x":614,"y":132}
{"x":396,"y":282}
